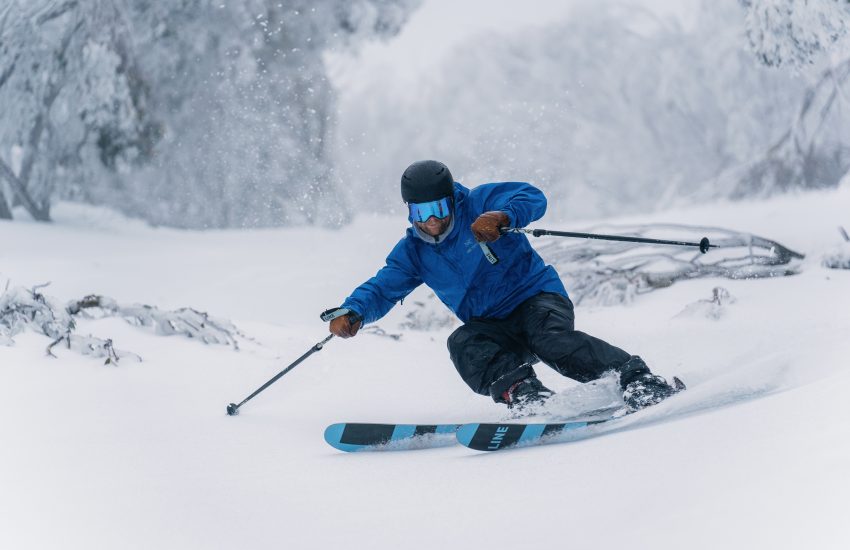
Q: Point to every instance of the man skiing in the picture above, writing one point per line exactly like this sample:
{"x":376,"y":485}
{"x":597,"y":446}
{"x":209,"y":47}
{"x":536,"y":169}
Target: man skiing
{"x":514,"y":307}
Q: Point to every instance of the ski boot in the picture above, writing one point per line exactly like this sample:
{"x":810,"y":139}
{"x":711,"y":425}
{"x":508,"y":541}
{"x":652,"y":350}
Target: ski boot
{"x":641,"y":388}
{"x":525,"y":394}
{"x":647,"y":389}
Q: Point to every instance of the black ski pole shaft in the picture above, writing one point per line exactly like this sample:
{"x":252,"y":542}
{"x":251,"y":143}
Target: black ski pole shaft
{"x":327,"y":315}
{"x":703,"y":244}
{"x":233,"y":409}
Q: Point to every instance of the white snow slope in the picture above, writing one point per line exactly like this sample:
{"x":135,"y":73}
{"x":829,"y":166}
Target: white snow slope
{"x":756,"y":454}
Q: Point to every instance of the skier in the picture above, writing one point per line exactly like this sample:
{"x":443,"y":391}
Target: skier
{"x":515,"y":311}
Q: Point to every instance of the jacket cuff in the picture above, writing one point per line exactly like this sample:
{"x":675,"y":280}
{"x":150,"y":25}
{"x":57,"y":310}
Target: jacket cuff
{"x":511,"y":217}
{"x":355,"y":308}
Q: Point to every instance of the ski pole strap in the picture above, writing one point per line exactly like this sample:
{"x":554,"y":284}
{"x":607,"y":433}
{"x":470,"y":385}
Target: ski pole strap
{"x":488,"y":253}
{"x":334,"y":312}
{"x":703,"y":244}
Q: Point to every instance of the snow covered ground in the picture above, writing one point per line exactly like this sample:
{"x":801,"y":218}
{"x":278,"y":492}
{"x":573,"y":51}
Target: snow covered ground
{"x":755,"y":454}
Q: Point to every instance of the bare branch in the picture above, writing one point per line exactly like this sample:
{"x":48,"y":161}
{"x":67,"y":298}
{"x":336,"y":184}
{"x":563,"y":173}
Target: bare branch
{"x":4,"y":76}
{"x":56,"y":12}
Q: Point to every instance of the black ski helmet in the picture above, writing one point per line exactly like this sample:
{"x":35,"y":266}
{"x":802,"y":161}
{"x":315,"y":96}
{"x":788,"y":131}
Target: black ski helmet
{"x":425,"y":181}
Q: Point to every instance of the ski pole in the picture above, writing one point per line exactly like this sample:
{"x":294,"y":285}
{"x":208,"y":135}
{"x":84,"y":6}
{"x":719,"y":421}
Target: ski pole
{"x":703,"y":244}
{"x":233,"y":409}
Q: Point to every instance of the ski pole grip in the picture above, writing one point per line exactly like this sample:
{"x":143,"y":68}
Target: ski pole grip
{"x":334,"y":312}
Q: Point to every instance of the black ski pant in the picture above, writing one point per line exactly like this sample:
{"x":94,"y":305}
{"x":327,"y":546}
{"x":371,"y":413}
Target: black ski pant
{"x":492,"y":354}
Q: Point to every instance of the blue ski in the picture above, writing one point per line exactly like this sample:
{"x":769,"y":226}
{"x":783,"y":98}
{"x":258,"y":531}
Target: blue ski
{"x":353,"y":436}
{"x":495,"y":437}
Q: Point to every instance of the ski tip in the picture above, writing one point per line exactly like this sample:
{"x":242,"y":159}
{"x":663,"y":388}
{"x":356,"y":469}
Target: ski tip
{"x":333,"y":437}
{"x":465,"y":433}
{"x":333,"y":433}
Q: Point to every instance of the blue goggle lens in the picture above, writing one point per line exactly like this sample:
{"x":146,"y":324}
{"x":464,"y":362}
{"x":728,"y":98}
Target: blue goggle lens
{"x":421,"y":211}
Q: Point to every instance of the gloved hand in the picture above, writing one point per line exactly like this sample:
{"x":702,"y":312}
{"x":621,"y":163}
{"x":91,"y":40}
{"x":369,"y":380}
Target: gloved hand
{"x":486,"y":227}
{"x":342,"y":327}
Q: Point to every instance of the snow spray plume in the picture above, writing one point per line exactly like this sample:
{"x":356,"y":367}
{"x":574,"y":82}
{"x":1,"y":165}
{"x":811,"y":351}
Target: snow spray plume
{"x":233,"y":409}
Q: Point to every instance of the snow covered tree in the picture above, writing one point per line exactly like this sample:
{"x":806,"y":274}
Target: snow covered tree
{"x":813,"y":38}
{"x":50,"y":56}
{"x":247,"y":108}
{"x":73,"y":100}
{"x":797,"y":32}
{"x":609,"y":111}
{"x":812,"y":152}
{"x":192,"y":113}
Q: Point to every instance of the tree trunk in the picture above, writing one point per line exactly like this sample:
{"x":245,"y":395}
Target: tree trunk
{"x":38,"y":213}
{"x":5,"y":212}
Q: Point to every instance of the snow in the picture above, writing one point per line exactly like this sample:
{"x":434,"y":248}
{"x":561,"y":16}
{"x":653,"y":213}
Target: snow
{"x":142,"y":455}
{"x":795,"y":32}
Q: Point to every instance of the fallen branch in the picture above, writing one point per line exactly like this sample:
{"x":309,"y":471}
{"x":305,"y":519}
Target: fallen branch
{"x":603,"y":272}
{"x":187,"y":322}
{"x":22,"y":308}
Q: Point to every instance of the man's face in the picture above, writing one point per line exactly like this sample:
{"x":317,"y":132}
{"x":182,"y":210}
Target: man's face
{"x":432,"y":217}
{"x":434,"y":226}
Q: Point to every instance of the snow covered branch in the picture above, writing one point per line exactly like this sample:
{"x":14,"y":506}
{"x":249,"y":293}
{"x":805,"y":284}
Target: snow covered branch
{"x":428,"y":314}
{"x":22,"y":308}
{"x":187,"y":322}
{"x":714,"y":308}
{"x":840,"y":257}
{"x":605,"y":272}
{"x":599,"y":272}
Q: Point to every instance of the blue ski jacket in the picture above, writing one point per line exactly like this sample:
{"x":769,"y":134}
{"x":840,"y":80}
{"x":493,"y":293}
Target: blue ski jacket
{"x":455,"y":267}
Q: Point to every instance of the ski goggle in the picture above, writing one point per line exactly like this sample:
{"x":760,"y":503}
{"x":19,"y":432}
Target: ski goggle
{"x":421,"y":211}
